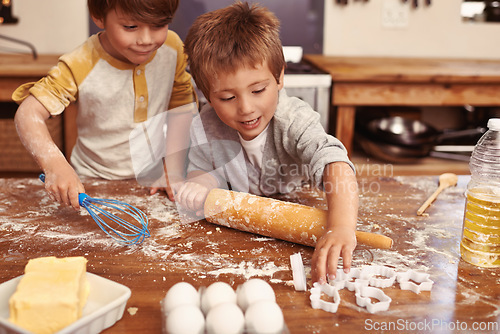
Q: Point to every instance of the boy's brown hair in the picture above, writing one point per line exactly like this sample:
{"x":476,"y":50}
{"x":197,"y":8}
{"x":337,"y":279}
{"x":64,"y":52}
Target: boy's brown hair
{"x":229,"y":38}
{"x":154,"y":12}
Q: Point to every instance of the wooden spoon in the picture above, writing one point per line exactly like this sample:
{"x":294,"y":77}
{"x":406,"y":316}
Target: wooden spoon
{"x":445,"y":180}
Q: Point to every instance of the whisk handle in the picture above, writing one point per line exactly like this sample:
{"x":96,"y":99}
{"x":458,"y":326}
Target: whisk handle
{"x":81,"y":196}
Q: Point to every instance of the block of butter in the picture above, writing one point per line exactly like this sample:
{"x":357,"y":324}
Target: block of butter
{"x":50,"y":295}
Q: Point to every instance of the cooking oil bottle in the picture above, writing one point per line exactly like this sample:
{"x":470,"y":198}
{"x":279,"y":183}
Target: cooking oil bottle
{"x":480,"y":243}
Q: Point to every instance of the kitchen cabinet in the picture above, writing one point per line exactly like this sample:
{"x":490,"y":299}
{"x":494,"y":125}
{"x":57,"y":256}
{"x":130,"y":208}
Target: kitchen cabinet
{"x":16,"y":69}
{"x":372,"y":81}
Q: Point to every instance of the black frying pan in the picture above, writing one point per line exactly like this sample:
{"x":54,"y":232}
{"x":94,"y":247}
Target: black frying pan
{"x":398,"y":139}
{"x":390,"y":152}
{"x":413,"y":133}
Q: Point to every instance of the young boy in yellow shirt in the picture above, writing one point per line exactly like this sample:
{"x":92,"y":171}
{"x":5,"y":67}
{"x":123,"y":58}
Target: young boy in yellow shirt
{"x":254,"y":137}
{"x":131,"y":71}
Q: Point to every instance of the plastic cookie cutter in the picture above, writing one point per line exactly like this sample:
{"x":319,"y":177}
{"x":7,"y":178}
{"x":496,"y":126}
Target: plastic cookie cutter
{"x":298,"y":272}
{"x":354,"y":278}
{"x":365,"y":293}
{"x":366,"y":283}
{"x":414,"y":281}
{"x":379,"y":276}
{"x":329,"y":290}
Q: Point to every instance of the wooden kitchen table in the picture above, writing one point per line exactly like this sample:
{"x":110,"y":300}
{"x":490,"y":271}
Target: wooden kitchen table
{"x":462,"y":297}
{"x":364,"y":81}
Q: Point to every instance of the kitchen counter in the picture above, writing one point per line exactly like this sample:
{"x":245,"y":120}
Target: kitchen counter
{"x":17,"y":69}
{"x":418,"y":82}
{"x":201,"y":253}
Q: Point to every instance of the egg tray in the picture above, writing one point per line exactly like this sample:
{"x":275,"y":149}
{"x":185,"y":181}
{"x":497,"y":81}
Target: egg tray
{"x":367,"y":283}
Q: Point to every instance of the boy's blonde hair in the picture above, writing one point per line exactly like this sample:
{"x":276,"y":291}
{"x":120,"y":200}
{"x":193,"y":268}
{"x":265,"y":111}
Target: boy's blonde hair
{"x":154,"y":12}
{"x":230,"y":38}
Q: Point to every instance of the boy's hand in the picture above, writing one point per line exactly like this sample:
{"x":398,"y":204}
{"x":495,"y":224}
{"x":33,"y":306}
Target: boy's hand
{"x":170,"y":194}
{"x":63,"y":185}
{"x":173,"y":183}
{"x":333,"y":244}
{"x":192,"y":196}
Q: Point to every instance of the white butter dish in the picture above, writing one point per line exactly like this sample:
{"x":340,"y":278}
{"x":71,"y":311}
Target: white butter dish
{"x":105,"y":306}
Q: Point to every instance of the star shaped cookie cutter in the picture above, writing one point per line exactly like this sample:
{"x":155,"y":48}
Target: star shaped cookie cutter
{"x":375,"y":274}
{"x":355,"y":277}
{"x":414,"y":281}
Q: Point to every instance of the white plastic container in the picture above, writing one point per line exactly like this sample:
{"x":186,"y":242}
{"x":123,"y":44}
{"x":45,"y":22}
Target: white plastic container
{"x":480,"y":243}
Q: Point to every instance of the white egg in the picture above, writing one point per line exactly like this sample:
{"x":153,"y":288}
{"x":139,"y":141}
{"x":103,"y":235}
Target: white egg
{"x":225,"y":318}
{"x":217,"y":293}
{"x":185,"y":319}
{"x":181,"y":293}
{"x":252,"y":291}
{"x":264,"y":317}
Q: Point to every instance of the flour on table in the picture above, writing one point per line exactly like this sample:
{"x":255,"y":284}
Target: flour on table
{"x":173,"y":240}
{"x":249,"y":269}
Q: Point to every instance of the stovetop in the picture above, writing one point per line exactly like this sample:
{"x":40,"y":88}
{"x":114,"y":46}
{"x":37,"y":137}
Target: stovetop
{"x":301,"y":68}
{"x":305,"y":75}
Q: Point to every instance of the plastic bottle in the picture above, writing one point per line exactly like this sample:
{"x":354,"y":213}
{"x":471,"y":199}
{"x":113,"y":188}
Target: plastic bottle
{"x":480,"y":243}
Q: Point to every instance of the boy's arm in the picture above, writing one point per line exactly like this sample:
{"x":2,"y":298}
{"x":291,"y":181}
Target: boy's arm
{"x":177,"y":145}
{"x":61,"y":181}
{"x":341,"y":188}
{"x":183,"y":91}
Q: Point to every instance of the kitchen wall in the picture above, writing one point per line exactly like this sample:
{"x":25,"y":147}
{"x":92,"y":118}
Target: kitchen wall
{"x":57,"y":26}
{"x":357,"y":29}
{"x":52,"y":26}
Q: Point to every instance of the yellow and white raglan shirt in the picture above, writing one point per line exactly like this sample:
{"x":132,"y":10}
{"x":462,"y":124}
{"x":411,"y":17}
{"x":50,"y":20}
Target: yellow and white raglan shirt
{"x":113,"y":97}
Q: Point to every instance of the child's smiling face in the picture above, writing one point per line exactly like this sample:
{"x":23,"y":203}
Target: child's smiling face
{"x":128,"y":40}
{"x":246,"y":100}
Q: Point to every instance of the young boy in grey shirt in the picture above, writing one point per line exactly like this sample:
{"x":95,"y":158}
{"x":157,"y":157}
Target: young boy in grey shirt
{"x":254,"y":138}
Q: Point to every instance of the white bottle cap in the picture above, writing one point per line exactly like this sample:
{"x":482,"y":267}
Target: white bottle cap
{"x":494,"y":124}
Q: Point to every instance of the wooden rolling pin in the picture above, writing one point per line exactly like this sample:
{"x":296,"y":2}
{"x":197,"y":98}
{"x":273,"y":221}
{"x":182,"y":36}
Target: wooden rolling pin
{"x":277,"y":219}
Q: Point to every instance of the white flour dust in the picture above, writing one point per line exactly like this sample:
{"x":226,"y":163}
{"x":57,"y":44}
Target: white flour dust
{"x":418,"y":237}
{"x":248,"y":269}
{"x":171,"y":241}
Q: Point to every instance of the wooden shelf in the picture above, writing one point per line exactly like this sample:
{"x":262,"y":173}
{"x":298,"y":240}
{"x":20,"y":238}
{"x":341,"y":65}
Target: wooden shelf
{"x":367,"y":166}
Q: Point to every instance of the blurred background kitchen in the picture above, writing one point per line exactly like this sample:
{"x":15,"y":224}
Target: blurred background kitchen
{"x":427,"y":29}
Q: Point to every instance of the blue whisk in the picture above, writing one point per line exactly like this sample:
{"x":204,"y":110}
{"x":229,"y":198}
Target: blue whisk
{"x":124,"y":231}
